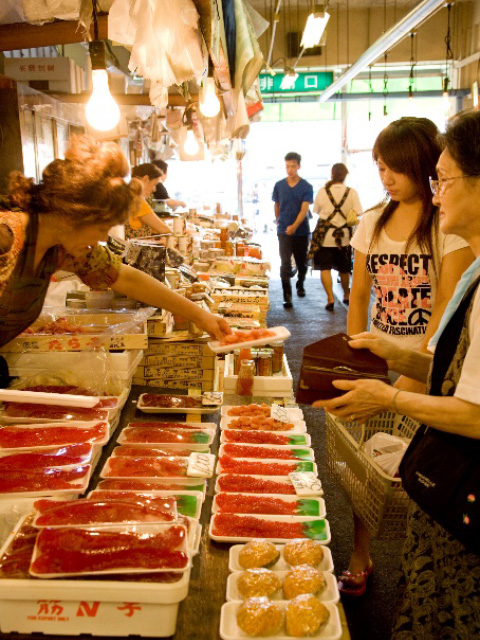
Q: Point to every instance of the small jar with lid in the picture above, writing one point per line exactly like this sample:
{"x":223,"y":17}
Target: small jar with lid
{"x":277,"y":360}
{"x":265,"y":363}
{"x":246,"y":378}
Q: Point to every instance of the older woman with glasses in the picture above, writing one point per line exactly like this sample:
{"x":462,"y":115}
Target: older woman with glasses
{"x":441,"y":595}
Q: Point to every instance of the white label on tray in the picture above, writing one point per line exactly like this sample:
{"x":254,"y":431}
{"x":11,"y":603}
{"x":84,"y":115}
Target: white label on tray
{"x":280,"y":413}
{"x":306,"y":483}
{"x":212,"y":398}
{"x":200,"y":465}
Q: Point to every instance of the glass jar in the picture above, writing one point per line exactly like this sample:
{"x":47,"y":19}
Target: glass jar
{"x":223,"y":235}
{"x":277,"y":361}
{"x":265,"y":363}
{"x":245,"y":378}
{"x":241,"y":355}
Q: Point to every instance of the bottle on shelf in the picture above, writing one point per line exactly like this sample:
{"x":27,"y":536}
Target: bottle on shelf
{"x":245,"y":378}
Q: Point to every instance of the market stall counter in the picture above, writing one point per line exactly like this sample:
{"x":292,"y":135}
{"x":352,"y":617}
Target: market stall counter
{"x":199,"y":613}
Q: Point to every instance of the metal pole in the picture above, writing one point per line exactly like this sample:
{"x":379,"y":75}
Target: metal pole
{"x":240,"y":188}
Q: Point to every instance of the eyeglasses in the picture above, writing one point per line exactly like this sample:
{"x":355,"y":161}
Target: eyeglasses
{"x":438,"y":186}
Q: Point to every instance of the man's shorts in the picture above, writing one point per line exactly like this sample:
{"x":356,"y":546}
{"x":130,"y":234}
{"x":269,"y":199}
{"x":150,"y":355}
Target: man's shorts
{"x":337,"y":258}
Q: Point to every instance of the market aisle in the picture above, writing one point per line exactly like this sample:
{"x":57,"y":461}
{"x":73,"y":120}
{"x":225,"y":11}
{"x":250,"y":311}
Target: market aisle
{"x":370,"y":617}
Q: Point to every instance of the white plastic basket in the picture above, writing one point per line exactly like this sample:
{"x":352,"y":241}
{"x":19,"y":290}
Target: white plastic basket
{"x":377,"y":498}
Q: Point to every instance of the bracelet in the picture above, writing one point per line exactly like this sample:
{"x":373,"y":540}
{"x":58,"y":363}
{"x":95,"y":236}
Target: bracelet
{"x":394,"y":400}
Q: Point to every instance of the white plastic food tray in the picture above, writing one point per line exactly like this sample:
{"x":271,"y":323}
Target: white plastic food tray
{"x":294,"y":413}
{"x":294,"y":464}
{"x":280,"y":333}
{"x":279,"y":479}
{"x":289,"y":519}
{"x":299,"y":426}
{"x":205,"y":409}
{"x":229,"y":629}
{"x":305,"y":436}
{"x":326,"y":563}
{"x":322,"y":512}
{"x":329,"y":594}
{"x":247,"y":447}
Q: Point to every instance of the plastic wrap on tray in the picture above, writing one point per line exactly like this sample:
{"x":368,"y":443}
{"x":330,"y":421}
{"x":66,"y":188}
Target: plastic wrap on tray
{"x":108,"y":402}
{"x":268,"y":505}
{"x":187,"y":504}
{"x":263,"y":437}
{"x":126,"y":451}
{"x":250,"y":484}
{"x":75,"y":551}
{"x":145,"y":467}
{"x":163,"y":401}
{"x":260,"y":423}
{"x":251,"y":451}
{"x":51,"y":435}
{"x":250,"y":410}
{"x":75,"y":454}
{"x":40,"y":412}
{"x":263,"y":467}
{"x":158,"y":435}
{"x":16,"y":558}
{"x":233,"y":527}
{"x":157,"y":484}
{"x":71,"y":478}
{"x":96,"y":511}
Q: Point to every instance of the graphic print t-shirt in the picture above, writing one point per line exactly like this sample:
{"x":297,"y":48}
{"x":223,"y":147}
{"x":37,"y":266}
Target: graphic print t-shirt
{"x":405,"y":284}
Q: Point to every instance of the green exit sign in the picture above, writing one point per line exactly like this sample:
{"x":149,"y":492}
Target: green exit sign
{"x":306,"y":81}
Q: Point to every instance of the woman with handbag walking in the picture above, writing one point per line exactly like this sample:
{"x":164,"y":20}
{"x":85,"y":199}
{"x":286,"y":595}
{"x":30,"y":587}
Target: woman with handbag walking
{"x":440,"y":469}
{"x":338,"y":207}
{"x":412,"y":265}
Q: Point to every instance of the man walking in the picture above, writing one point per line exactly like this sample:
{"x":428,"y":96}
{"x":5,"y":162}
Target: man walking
{"x":292,"y":197}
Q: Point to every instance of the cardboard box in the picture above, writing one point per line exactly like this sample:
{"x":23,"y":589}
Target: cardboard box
{"x":160,"y":326}
{"x":166,"y":348}
{"x":173,"y":373}
{"x":201,"y":385}
{"x":61,"y":73}
{"x":193,"y":362}
{"x":239,"y":310}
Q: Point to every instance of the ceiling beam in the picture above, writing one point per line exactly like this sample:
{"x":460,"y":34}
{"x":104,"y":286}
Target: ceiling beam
{"x":27,"y":36}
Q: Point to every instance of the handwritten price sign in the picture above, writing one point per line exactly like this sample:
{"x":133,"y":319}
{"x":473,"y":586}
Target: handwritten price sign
{"x":306,"y":483}
{"x":280,"y":413}
{"x":200,"y":465}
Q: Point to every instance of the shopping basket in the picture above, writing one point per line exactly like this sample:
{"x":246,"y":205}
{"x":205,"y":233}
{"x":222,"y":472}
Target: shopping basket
{"x":377,"y":498}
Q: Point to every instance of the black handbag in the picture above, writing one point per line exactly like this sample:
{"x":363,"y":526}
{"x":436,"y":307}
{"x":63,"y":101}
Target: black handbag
{"x":440,"y":471}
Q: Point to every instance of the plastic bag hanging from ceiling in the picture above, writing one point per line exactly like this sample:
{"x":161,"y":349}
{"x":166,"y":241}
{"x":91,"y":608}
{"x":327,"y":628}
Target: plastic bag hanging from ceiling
{"x":164,"y":36}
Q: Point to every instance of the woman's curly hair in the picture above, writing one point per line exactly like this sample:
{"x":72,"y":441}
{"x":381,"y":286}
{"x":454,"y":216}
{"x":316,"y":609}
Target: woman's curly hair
{"x":85,"y":188}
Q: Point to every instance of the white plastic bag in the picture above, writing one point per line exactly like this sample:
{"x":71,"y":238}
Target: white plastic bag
{"x":387,"y":450}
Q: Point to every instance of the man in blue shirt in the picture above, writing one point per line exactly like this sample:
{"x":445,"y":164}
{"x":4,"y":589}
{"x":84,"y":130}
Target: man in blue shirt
{"x":292,"y":197}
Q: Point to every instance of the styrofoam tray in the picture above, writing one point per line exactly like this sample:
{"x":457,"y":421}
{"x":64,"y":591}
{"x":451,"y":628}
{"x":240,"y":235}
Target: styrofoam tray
{"x":122,"y":439}
{"x":320,"y":502}
{"x":77,"y":487}
{"x":307,"y":452}
{"x":329,"y":594}
{"x":299,"y":426}
{"x":56,"y":399}
{"x":140,"y":528}
{"x":280,"y":333}
{"x":294,"y":413}
{"x":229,"y":629}
{"x":299,"y":439}
{"x":193,"y":410}
{"x":170,"y":448}
{"x":105,"y":473}
{"x":195,"y":496}
{"x":326,"y":563}
{"x":296,"y":465}
{"x":196,"y":485}
{"x":71,"y":425}
{"x":280,"y":479}
{"x":325,"y":539}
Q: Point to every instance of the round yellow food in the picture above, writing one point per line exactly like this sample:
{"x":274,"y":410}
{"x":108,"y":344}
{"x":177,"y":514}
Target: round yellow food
{"x":305,"y":615}
{"x":258,"y":553}
{"x":303,"y":551}
{"x":303,"y":579}
{"x":259,"y":617}
{"x":258,"y":582}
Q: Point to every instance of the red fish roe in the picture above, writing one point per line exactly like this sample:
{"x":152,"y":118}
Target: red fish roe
{"x":23,"y":437}
{"x":55,"y":457}
{"x":80,"y":551}
{"x":50,"y":412}
{"x":250,"y":410}
{"x":234,"y":503}
{"x":248,"y":484}
{"x":234,"y":526}
{"x":234,"y":465}
{"x":42,"y":479}
{"x":147,"y":467}
{"x":170,"y":402}
{"x":148,"y":452}
{"x":239,"y":451}
{"x":260,"y":423}
{"x":162,"y":425}
{"x":255,"y":437}
{"x":158,"y":436}
{"x":121,"y":484}
{"x":101,"y":512}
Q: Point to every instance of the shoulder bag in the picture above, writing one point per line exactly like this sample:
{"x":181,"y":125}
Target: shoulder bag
{"x":441,"y":471}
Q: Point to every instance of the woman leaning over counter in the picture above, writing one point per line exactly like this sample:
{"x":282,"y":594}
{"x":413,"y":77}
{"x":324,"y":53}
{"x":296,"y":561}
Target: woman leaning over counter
{"x":441,"y":597}
{"x":59,"y":223}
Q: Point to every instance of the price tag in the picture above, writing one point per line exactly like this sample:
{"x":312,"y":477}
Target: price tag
{"x":280,"y":413}
{"x":306,"y":483}
{"x":212,"y":398}
{"x":200,"y":465}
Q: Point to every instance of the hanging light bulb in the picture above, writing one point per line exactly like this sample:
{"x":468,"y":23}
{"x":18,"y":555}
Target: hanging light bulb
{"x":314,"y":28}
{"x":102,"y":112}
{"x":289,"y":79}
{"x":191,"y":146}
{"x":209,"y":104}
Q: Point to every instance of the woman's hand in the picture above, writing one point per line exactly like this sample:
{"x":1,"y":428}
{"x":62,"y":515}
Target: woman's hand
{"x":215,"y":326}
{"x":365,"y":398}
{"x":379,"y":346}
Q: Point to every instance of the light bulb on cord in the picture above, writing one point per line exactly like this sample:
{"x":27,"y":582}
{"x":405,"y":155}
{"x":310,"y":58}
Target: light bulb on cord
{"x":191,"y":146}
{"x":316,"y":25}
{"x":210,"y":104}
{"x":102,"y":112}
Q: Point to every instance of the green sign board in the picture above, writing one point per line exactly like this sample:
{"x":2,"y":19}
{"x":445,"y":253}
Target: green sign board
{"x":307,"y":81}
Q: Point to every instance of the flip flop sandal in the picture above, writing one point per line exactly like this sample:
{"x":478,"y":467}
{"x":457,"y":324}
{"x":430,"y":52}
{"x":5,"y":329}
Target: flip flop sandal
{"x":354,"y":584}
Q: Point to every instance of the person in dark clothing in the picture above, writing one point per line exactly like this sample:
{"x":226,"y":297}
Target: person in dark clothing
{"x":292,"y":197}
{"x":161,"y":192}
